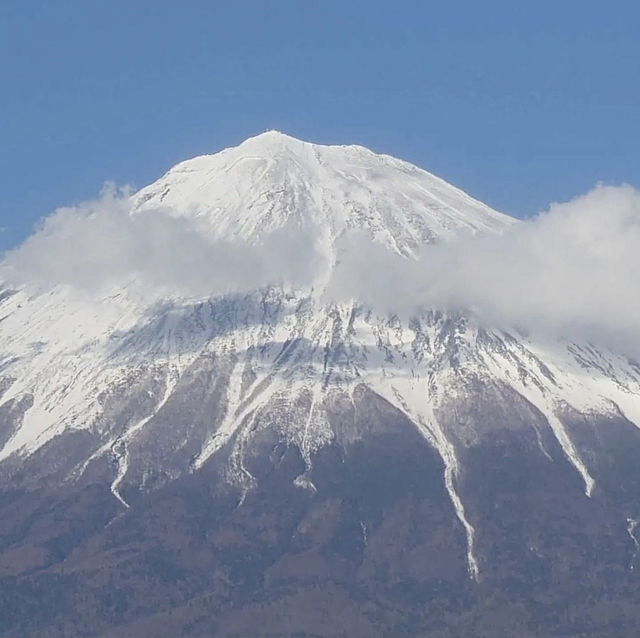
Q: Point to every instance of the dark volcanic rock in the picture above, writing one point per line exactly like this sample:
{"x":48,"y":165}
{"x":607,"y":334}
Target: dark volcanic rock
{"x":375,"y":550}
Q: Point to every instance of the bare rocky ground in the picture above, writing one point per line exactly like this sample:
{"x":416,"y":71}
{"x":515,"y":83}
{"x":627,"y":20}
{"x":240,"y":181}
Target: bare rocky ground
{"x":377,"y":550}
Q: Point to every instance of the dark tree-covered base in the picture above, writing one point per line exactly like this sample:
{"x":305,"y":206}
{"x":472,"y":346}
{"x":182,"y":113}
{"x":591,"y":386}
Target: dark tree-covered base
{"x":375,"y":550}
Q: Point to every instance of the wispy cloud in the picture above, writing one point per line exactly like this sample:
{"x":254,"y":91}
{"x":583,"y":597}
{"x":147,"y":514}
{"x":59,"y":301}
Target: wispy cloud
{"x":100,"y":244}
{"x":572,"y":271}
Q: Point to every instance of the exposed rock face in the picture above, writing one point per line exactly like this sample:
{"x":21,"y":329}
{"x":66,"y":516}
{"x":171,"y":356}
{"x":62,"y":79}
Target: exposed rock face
{"x":269,"y":463}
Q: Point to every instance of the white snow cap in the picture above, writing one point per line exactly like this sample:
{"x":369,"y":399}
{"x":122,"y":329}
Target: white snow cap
{"x":273,"y":180}
{"x":352,"y":225}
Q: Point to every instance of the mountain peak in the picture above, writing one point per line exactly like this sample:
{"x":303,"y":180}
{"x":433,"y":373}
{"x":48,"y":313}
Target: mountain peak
{"x":275,"y":135}
{"x":271,"y":180}
{"x":273,"y":141}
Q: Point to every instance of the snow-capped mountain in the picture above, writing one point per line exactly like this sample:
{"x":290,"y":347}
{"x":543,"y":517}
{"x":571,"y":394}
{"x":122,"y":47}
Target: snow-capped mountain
{"x":273,"y":180}
{"x":138,"y":393}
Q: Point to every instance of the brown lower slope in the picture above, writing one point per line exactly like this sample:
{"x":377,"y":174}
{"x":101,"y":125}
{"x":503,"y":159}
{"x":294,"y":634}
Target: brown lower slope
{"x":376,"y":551}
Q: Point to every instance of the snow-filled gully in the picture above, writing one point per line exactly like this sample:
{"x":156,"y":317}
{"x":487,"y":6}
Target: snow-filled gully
{"x":426,"y":423}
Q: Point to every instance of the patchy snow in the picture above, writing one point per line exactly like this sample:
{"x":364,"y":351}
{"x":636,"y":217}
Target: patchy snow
{"x":632,"y":525}
{"x":66,"y":349}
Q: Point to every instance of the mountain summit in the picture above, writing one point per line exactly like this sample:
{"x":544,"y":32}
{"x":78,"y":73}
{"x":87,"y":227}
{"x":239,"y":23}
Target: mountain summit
{"x":247,"y":458}
{"x":273,"y":180}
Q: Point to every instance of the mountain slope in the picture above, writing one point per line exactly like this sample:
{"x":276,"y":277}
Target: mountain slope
{"x":272,"y":180}
{"x":509,"y":457}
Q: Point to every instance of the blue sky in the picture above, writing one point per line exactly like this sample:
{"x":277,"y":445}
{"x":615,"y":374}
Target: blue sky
{"x":520,"y":104}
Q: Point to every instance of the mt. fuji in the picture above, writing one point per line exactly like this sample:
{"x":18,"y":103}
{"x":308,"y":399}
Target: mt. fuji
{"x":237,"y":444}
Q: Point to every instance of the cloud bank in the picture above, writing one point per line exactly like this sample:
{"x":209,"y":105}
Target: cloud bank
{"x":572,"y":271}
{"x":100,"y":244}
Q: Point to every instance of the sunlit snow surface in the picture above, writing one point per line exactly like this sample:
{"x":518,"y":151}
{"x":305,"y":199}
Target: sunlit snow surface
{"x":70,"y":351}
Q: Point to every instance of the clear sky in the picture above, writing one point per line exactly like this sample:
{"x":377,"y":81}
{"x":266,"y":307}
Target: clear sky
{"x":518,"y":103}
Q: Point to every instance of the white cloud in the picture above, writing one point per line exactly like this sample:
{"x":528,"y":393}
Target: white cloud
{"x":100,"y":244}
{"x":572,"y":271}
